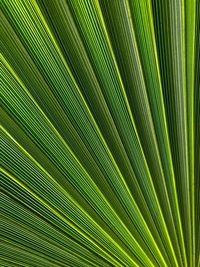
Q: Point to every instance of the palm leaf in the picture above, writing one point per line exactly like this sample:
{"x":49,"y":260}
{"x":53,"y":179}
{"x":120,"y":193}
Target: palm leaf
{"x":100,"y":130}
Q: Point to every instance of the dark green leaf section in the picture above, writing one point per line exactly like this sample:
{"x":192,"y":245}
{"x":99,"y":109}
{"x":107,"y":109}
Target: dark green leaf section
{"x":100,"y":133}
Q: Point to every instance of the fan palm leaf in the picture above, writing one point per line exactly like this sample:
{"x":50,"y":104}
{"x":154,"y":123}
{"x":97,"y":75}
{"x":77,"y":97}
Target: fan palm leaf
{"x":100,"y":133}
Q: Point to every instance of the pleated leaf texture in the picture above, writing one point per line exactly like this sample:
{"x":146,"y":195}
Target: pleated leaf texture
{"x":100,"y":133}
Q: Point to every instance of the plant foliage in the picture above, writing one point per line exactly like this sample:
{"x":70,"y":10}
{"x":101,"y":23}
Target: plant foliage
{"x":100,"y":133}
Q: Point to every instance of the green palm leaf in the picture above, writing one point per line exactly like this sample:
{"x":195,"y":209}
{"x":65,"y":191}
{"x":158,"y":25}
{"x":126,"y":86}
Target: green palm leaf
{"x":100,"y":133}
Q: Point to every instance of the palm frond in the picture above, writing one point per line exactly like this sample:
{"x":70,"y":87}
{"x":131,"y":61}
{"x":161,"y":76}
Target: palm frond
{"x":100,"y":133}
